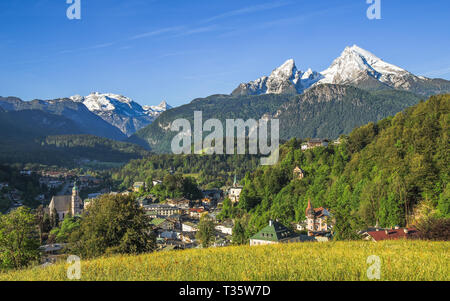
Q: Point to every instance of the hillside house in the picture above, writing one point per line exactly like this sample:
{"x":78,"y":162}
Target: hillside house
{"x":274,"y":233}
{"x":315,"y":142}
{"x":317,"y":219}
{"x":137,"y":186}
{"x":389,"y":234}
{"x":298,"y":173}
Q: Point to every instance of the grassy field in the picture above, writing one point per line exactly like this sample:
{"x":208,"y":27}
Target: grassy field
{"x":400,"y":260}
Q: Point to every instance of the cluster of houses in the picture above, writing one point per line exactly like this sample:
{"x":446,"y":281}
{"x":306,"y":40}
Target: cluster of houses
{"x":176,"y":221}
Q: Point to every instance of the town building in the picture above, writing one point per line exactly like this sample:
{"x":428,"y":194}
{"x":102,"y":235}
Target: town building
{"x":156,"y":210}
{"x":317,"y":219}
{"x":234,"y":192}
{"x":137,"y":186}
{"x":226,"y":227}
{"x":389,"y":234}
{"x":189,"y":226}
{"x":274,"y":233}
{"x":298,"y":173}
{"x":66,"y":204}
{"x":315,"y":142}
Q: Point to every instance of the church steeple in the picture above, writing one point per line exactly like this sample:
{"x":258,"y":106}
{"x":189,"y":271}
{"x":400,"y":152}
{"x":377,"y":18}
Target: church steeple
{"x":309,"y":210}
{"x":77,"y":205}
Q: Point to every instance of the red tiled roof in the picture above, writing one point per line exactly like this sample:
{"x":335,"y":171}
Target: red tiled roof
{"x":391,"y":234}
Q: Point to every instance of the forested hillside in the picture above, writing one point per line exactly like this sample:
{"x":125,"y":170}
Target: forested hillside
{"x":210,"y":171}
{"x":379,"y":173}
{"x":325,"y":111}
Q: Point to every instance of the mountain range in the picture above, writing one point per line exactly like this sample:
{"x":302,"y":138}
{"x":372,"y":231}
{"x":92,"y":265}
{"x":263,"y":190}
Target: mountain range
{"x":120,"y":111}
{"x":105,"y":115}
{"x":355,"y":66}
{"x":357,"y":88}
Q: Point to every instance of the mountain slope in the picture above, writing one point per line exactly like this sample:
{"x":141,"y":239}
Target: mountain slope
{"x":120,"y":111}
{"x":376,"y":175}
{"x":322,"y":111}
{"x":35,"y":136}
{"x":355,"y":66}
{"x":332,"y":110}
{"x":86,"y":121}
{"x":158,"y":136}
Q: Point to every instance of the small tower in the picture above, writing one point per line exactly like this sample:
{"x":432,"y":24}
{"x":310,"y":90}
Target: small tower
{"x":310,"y":218}
{"x":309,"y":210}
{"x":77,"y":205}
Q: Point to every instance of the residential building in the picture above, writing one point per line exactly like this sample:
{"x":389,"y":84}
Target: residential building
{"x":137,"y":186}
{"x":274,"y":233}
{"x":189,"y":226}
{"x":389,"y":234}
{"x":226,"y":227}
{"x":155,"y":210}
{"x":298,"y":173}
{"x":317,"y":219}
{"x":315,"y":142}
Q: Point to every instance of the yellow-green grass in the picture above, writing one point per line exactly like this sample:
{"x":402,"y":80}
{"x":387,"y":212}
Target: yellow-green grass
{"x":400,"y":260}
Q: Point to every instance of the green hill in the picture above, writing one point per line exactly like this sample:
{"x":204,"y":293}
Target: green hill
{"x":378,"y":173}
{"x":334,"y":261}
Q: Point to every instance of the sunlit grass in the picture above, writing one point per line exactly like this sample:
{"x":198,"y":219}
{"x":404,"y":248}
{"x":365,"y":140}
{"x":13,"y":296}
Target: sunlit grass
{"x":400,"y":260}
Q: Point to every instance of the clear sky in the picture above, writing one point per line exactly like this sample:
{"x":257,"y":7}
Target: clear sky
{"x":179,"y":50}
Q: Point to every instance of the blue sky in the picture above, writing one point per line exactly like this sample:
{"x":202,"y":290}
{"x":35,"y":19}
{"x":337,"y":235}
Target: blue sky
{"x":179,"y":50}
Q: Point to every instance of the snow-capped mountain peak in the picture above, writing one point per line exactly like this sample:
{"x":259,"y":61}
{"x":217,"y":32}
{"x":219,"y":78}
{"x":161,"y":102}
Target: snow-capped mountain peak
{"x":121,"y":111}
{"x":284,"y":79}
{"x":356,"y":64}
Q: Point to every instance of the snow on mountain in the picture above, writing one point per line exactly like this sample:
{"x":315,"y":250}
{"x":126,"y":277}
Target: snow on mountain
{"x":163,"y":106}
{"x":120,"y":111}
{"x":355,"y":66}
{"x":286,"y":79}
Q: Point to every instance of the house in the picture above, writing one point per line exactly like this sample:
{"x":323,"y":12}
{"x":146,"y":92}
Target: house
{"x":389,"y":234}
{"x":189,"y":226}
{"x":187,"y":237}
{"x":137,"y":186}
{"x":155,"y":210}
{"x":180,"y":203}
{"x":66,"y":204}
{"x":162,"y":223}
{"x":197,"y":213}
{"x":298,"y":173}
{"x":274,"y":233}
{"x":156,"y":182}
{"x":226,"y":227}
{"x":317,"y":219}
{"x":315,"y":142}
